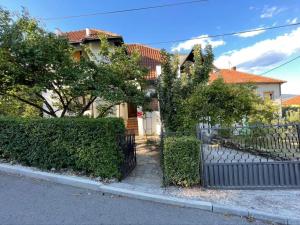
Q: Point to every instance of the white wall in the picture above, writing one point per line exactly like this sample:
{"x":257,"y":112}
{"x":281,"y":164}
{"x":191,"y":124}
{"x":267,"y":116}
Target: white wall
{"x":151,"y":123}
{"x":275,"y":88}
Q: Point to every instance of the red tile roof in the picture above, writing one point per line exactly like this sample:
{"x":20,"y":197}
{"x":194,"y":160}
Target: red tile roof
{"x":80,"y":35}
{"x":236,"y":77}
{"x":292,"y":101}
{"x":150,"y":58}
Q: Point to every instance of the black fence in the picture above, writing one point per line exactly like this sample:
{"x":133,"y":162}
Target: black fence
{"x":129,"y":151}
{"x":251,"y":157}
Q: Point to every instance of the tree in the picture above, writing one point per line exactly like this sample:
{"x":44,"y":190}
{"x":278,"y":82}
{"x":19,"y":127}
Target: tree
{"x":219,"y":103}
{"x":293,"y":115}
{"x":34,"y":62}
{"x":197,"y":72}
{"x":191,"y":99}
{"x":168,"y":92}
{"x":265,"y":112}
{"x":173,"y":91}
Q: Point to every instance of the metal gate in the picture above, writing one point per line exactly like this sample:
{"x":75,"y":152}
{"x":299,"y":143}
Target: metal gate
{"x":129,"y":152}
{"x":256,"y":157}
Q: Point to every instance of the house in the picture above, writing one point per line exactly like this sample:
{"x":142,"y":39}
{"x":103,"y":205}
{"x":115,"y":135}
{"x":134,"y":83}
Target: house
{"x":266,"y":87}
{"x":292,"y":102}
{"x":139,"y":122}
{"x":148,"y":122}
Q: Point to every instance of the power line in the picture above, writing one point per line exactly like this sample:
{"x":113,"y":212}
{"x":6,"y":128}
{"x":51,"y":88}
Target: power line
{"x":281,"y":65}
{"x":124,"y":10}
{"x":225,"y":34}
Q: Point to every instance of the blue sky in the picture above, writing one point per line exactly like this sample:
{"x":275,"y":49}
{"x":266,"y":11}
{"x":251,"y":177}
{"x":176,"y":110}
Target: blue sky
{"x":252,"y":52}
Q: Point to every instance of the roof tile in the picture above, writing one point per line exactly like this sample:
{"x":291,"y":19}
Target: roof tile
{"x":150,"y":58}
{"x":80,"y":35}
{"x":237,"y":77}
{"x":292,"y":101}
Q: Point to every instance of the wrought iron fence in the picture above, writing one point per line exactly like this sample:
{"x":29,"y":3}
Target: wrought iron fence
{"x":251,"y":144}
{"x":251,"y":157}
{"x":128,"y":147}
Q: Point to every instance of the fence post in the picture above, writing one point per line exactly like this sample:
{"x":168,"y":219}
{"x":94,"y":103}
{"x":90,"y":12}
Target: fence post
{"x":298,"y":132}
{"x":201,"y":156}
{"x":162,"y":157}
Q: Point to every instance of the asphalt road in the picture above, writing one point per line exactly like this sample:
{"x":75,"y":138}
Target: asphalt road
{"x":28,"y":201}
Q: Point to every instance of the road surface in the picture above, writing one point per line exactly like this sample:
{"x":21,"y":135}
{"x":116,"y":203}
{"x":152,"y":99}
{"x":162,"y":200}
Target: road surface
{"x":29,"y":201}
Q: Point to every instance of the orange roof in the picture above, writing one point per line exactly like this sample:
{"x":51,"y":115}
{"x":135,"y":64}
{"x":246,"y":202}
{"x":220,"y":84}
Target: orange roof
{"x":236,"y":77}
{"x":80,"y":35}
{"x":292,"y":101}
{"x":150,"y":57}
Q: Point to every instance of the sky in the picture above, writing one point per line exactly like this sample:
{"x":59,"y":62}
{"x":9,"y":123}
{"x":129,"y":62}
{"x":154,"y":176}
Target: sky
{"x":254,"y":52}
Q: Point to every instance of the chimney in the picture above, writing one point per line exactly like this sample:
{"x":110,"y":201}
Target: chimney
{"x":58,"y":32}
{"x":87,"y":32}
{"x":233,"y":68}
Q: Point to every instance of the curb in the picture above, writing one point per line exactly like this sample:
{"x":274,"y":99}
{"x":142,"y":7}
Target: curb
{"x":98,"y":186}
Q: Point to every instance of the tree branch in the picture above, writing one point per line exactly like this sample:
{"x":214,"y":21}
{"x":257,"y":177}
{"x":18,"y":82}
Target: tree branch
{"x":33,"y":105}
{"x":86,"y":107}
{"x":46,"y":103}
{"x":104,"y":111}
{"x":59,"y":95}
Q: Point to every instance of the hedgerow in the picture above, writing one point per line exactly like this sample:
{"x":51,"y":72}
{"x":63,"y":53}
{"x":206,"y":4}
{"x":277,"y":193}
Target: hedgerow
{"x":81,"y":144}
{"x":181,"y":160}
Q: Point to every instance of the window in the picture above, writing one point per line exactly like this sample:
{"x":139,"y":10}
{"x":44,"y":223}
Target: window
{"x":269,"y":95}
{"x":77,"y":55}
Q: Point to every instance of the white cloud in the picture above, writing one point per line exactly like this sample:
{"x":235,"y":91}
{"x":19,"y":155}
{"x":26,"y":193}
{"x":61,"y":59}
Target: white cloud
{"x":269,"y":12}
{"x":251,"y":33}
{"x":203,"y":40}
{"x":291,"y":21}
{"x":262,"y":55}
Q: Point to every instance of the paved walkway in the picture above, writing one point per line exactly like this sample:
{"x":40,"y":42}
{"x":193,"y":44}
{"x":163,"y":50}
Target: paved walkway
{"x":147,"y":172}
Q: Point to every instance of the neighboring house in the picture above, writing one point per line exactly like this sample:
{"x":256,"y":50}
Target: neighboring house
{"x":266,"y":87}
{"x":139,"y":122}
{"x":292,"y":102}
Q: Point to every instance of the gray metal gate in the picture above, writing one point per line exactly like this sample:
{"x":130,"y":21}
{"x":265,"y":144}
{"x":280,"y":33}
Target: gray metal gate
{"x":251,"y":157}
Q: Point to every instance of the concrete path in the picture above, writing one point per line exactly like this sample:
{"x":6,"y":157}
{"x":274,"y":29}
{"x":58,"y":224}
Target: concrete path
{"x":147,"y":172}
{"x":29,"y":201}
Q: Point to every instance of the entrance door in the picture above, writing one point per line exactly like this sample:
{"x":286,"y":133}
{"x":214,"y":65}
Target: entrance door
{"x":132,"y":110}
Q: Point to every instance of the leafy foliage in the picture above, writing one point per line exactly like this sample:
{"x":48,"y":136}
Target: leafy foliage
{"x":81,"y":144}
{"x":265,"y":112}
{"x":190,"y":99}
{"x":37,"y":62}
{"x":168,"y":93}
{"x":292,"y":114}
{"x":12,"y":107}
{"x":220,"y":103}
{"x":173,"y":91}
{"x":181,"y":160}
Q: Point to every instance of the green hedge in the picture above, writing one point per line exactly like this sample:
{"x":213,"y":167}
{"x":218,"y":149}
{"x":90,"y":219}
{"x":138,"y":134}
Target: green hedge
{"x":82,"y":144}
{"x":181,"y":160}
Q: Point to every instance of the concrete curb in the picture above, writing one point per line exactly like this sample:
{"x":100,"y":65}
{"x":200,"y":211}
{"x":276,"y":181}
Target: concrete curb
{"x":98,"y":186}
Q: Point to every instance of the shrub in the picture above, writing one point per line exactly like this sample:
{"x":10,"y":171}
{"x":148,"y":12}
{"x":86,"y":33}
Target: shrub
{"x":181,"y":160}
{"x":81,"y":144}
